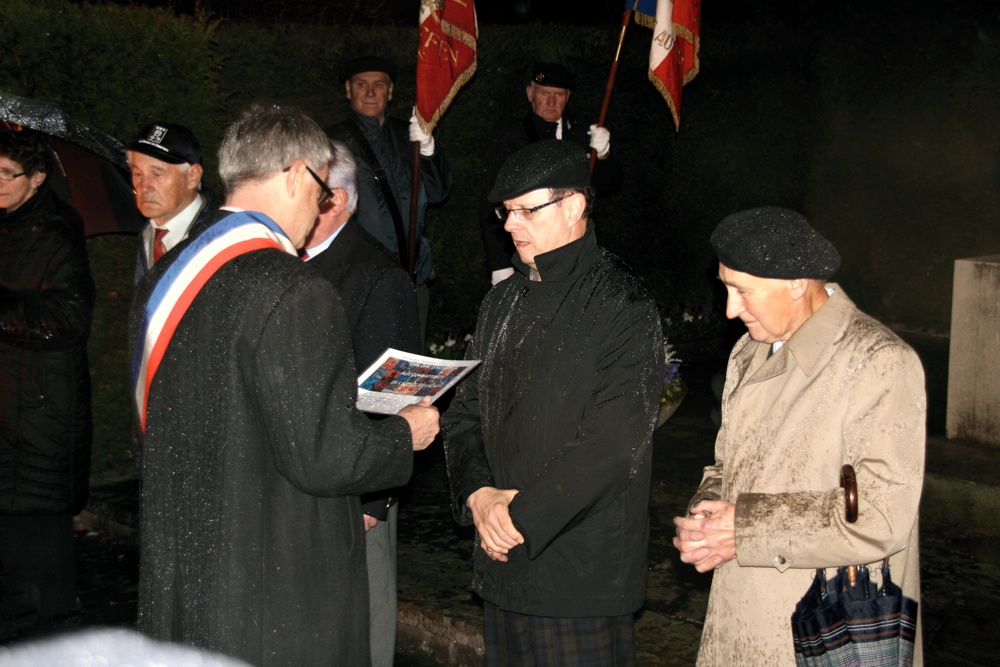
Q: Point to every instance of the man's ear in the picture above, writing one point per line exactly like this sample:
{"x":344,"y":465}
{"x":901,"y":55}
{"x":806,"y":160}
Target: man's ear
{"x":389,"y":99}
{"x":339,"y":200}
{"x":293,"y":178}
{"x":347,"y":88}
{"x":575,"y":205}
{"x":797,"y":288}
{"x":193,"y":176}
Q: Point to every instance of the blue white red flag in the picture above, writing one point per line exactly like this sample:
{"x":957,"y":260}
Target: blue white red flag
{"x":673,"y":56}
{"x":234,"y":235}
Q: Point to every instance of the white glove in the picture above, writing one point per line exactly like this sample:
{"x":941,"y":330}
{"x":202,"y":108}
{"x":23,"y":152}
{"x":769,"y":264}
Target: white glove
{"x":501,"y":274}
{"x":417,"y":134}
{"x":600,"y":140}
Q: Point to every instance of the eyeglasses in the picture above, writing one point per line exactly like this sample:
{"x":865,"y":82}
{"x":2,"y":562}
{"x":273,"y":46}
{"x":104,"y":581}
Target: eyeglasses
{"x":7,"y":175}
{"x":524,"y":213}
{"x":325,"y":193}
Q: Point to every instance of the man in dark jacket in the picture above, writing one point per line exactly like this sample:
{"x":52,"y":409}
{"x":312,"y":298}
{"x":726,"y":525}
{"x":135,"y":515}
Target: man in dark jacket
{"x":46,"y":303}
{"x":165,"y":160}
{"x":548,"y":440}
{"x":549,"y":88}
{"x":252,"y":541}
{"x":380,"y":304}
{"x":381,"y":145}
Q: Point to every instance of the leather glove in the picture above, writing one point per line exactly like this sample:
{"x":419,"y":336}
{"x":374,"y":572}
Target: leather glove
{"x":600,"y":140}
{"x":425,"y":139}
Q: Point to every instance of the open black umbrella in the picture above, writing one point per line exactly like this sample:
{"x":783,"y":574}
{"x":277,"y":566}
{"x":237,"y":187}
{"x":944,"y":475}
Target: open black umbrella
{"x":94,"y":174}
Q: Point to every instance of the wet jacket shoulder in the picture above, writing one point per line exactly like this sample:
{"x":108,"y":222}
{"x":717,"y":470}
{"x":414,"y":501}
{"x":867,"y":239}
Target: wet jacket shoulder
{"x":46,"y":304}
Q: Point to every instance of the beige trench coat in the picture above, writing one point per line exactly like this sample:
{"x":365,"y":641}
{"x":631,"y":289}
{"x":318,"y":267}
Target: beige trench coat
{"x":843,"y":389}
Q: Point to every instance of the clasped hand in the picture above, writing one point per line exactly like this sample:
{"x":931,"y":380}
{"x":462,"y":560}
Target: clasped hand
{"x":706,"y":538}
{"x":491,"y":514}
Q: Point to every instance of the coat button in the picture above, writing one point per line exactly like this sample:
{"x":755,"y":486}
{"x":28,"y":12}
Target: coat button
{"x":524,"y":291}
{"x":780,"y":560}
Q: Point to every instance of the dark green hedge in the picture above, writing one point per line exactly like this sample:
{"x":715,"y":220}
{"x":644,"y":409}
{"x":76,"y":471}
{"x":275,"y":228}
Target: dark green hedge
{"x":890,"y":149}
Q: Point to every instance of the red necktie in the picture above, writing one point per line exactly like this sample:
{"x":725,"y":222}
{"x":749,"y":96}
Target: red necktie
{"x":158,"y":248}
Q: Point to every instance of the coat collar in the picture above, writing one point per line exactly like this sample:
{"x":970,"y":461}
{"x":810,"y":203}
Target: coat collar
{"x":810,"y":344}
{"x":565,"y":261}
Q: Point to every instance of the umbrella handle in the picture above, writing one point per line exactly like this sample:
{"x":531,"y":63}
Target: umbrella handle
{"x":849,"y":483}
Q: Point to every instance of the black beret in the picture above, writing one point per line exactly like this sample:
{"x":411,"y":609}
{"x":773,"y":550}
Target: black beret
{"x":367,"y":64}
{"x":543,"y":164}
{"x":552,"y":74}
{"x":773,"y":242}
{"x":168,"y":142}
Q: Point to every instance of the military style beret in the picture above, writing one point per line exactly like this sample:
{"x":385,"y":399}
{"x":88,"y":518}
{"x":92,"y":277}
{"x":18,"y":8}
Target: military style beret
{"x":168,"y":142}
{"x":774,"y":242}
{"x":543,"y":164}
{"x":552,"y":74}
{"x":367,"y":64}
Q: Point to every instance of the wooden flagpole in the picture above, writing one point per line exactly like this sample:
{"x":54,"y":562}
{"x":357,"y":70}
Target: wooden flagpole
{"x":626,"y":19}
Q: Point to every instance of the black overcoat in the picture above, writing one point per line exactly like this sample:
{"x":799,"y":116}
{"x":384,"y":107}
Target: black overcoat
{"x":380,"y":304}
{"x":251,"y":538}
{"x":46,"y":304}
{"x":562,"y":409}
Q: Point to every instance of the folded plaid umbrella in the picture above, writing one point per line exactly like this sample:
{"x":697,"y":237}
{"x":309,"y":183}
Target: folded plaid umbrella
{"x":853,"y":622}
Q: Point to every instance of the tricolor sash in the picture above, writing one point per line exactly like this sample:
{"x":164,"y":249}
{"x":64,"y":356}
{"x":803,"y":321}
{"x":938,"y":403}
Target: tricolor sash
{"x":232,"y":236}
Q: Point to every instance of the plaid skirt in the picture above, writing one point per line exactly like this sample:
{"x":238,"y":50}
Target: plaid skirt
{"x":518,"y":640}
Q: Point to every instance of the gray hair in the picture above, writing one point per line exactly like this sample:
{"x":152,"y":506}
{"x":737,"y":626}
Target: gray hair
{"x":267,"y":139}
{"x":344,"y":173}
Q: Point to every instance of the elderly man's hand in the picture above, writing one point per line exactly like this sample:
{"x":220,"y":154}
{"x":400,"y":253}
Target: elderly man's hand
{"x":424,"y":420}
{"x":490,"y":513}
{"x":600,"y":140}
{"x":707,"y":538}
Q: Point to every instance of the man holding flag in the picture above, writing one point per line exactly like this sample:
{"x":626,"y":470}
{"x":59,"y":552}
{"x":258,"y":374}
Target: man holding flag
{"x":386,"y":174}
{"x":548,"y":89}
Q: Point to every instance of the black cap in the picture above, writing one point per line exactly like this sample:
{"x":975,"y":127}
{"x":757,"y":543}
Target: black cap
{"x":774,"y":242}
{"x":554,"y":75}
{"x":367,"y":64}
{"x":168,"y":142}
{"x":543,"y":164}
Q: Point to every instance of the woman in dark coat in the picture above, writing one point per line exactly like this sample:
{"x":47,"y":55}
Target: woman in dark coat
{"x":46,"y":302}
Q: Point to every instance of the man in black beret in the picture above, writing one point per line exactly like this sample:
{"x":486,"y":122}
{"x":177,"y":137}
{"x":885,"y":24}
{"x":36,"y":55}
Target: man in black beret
{"x":381,"y":145}
{"x":549,"y":87}
{"x":548,"y":441}
{"x":814,"y":384}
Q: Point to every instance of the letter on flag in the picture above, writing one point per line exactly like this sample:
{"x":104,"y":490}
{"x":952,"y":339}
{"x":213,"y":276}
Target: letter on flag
{"x":673,"y":57}
{"x":446,"y":55}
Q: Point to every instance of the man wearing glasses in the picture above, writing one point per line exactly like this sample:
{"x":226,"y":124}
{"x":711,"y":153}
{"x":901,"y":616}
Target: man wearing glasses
{"x":548,"y":440}
{"x":251,"y":540}
{"x":549,"y":88}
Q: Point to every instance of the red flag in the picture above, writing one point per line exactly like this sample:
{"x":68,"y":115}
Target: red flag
{"x":446,"y":55}
{"x":673,"y":56}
